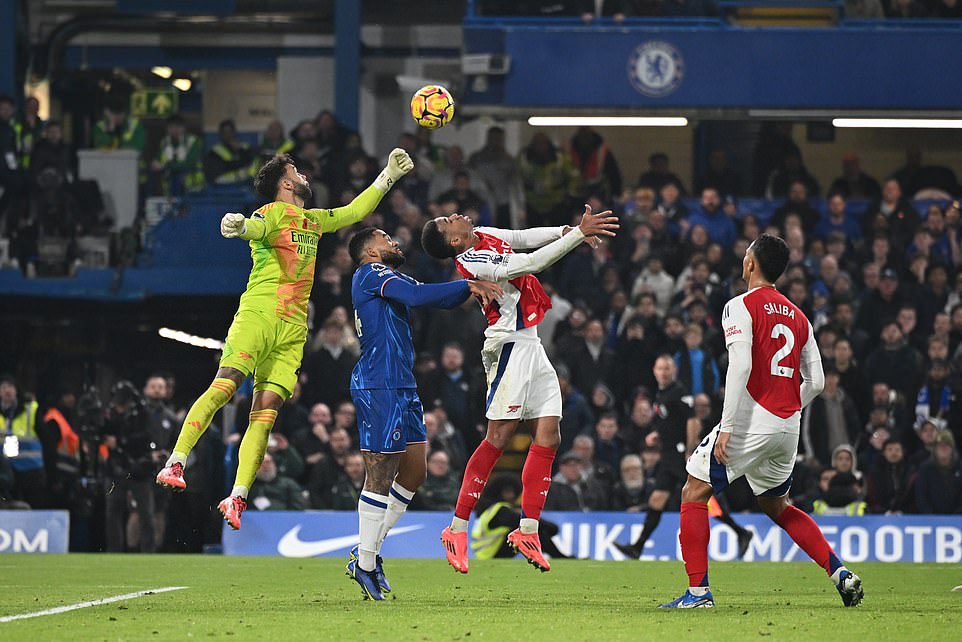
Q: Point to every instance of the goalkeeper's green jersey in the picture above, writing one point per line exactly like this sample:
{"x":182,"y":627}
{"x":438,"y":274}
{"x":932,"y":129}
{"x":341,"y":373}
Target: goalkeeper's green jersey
{"x":283,"y":240}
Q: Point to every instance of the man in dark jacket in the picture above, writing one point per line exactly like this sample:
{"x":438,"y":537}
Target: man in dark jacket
{"x":938,"y":487}
{"x":890,"y":481}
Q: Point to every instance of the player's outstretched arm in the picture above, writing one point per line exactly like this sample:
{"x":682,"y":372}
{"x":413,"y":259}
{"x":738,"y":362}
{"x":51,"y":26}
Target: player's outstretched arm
{"x":436,"y":295}
{"x":499,"y":267}
{"x":398,"y":164}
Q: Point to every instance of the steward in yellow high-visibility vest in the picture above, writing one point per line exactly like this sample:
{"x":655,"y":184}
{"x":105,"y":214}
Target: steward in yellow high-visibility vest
{"x":21,"y":445}
{"x":229,"y":161}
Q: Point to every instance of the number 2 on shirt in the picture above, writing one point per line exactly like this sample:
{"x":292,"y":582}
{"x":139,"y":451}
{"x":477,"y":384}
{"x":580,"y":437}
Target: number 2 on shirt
{"x":782,"y":330}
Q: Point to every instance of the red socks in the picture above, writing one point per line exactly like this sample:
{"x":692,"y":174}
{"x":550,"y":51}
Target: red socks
{"x":536,"y":480}
{"x":694,"y":542}
{"x":806,"y":533}
{"x":476,"y":475}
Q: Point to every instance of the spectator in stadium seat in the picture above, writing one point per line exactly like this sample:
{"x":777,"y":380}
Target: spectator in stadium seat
{"x":457,"y":390}
{"x":938,"y":486}
{"x":881,"y":303}
{"x":329,"y":468}
{"x":272,"y":143}
{"x":443,"y":436}
{"x":311,"y":443}
{"x":889,"y":481}
{"x":854,"y":183}
{"x":608,"y":445}
{"x":908,"y":319}
{"x":720,"y":176}
{"x":892,"y":214}
{"x":895,"y":362}
{"x":592,"y":467}
{"x":638,"y":424}
{"x":287,"y":460}
{"x":792,"y":170}
{"x":593,"y":360}
{"x":177,"y":168}
{"x":830,"y":421}
{"x":575,"y":414}
{"x":670,"y":205}
{"x":454,"y":163}
{"x":659,"y":174}
{"x":935,"y":398}
{"x":346,"y":490}
{"x":697,"y":369}
{"x":630,"y":493}
{"x":797,"y":204}
{"x":926,"y":434}
{"x":550,"y":180}
{"x":844,"y":460}
{"x":633,"y":359}
{"x":851,"y":377}
{"x":837,"y":220}
{"x":328,"y":370}
{"x":440,"y":488}
{"x":655,"y":282}
{"x":721,"y":228}
{"x":273,"y":490}
{"x":573,"y":490}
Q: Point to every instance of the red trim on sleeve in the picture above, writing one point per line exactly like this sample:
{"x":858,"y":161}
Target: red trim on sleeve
{"x":386,"y":281}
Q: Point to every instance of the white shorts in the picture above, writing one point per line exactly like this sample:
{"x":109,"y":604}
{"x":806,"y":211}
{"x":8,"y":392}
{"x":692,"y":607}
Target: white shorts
{"x":522,"y":383}
{"x":765,"y":460}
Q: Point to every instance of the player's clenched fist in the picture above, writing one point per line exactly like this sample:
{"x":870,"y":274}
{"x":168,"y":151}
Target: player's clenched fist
{"x":232,"y":225}
{"x":398,"y":164}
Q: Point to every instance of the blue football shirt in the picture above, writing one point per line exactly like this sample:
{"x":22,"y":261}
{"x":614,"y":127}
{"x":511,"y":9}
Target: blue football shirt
{"x":384,"y":328}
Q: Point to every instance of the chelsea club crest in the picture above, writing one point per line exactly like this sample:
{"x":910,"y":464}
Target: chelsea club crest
{"x":656,"y":68}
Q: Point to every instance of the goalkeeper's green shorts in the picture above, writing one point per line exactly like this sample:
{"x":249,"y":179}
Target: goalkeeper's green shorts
{"x":266,"y":347}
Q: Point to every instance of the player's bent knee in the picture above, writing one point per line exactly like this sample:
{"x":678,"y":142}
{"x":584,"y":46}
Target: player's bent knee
{"x":695,"y":490}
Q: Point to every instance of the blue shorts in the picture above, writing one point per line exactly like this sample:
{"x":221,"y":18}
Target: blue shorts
{"x":389,"y":420}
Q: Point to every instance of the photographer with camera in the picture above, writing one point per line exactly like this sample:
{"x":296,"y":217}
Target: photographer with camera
{"x":128,"y":469}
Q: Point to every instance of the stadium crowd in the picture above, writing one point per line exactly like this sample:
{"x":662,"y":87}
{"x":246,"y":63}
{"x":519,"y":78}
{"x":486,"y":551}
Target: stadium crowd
{"x":879,"y":279}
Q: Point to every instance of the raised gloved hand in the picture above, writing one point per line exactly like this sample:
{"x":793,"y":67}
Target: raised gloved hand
{"x":233,"y":225}
{"x":398,"y":164}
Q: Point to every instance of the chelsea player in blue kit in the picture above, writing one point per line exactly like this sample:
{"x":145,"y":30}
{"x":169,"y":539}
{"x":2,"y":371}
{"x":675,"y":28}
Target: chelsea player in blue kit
{"x":389,"y":415}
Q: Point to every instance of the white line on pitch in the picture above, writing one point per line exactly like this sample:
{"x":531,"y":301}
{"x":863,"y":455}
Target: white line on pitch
{"x":83,"y":605}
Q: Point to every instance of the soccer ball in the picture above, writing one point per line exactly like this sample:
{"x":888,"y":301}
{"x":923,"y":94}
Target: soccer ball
{"x":432,"y":106}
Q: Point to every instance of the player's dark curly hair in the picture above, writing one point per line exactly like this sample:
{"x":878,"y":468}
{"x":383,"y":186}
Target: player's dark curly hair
{"x":771,"y":254}
{"x":434,"y":243}
{"x":358,"y":242}
{"x":265,"y":183}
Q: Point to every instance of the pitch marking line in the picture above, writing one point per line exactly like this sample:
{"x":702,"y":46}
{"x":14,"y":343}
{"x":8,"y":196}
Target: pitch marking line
{"x":83,"y":605}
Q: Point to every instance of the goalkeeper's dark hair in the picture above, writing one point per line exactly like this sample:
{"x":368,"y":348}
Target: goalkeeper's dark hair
{"x":771,"y":254}
{"x":267,"y":179}
{"x":358,"y":242}
{"x":434,"y":243}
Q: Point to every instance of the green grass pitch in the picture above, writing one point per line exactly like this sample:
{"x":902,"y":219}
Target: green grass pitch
{"x":237,"y":598}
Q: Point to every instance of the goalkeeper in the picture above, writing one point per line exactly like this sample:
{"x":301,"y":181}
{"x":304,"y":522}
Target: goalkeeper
{"x":266,"y":338}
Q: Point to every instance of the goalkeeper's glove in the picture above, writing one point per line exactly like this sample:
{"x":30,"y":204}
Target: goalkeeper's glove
{"x":233,"y":225}
{"x":398,"y":164}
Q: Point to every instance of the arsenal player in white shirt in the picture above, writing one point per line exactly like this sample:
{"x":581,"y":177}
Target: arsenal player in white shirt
{"x":522,"y":383}
{"x":774,"y":371}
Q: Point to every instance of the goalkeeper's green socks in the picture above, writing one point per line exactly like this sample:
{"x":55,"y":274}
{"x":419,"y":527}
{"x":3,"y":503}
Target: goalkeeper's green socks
{"x":199,"y":417}
{"x":252,"y":449}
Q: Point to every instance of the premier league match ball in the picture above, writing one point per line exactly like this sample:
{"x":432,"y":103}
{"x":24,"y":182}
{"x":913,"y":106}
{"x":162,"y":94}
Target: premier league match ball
{"x":432,"y":106}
